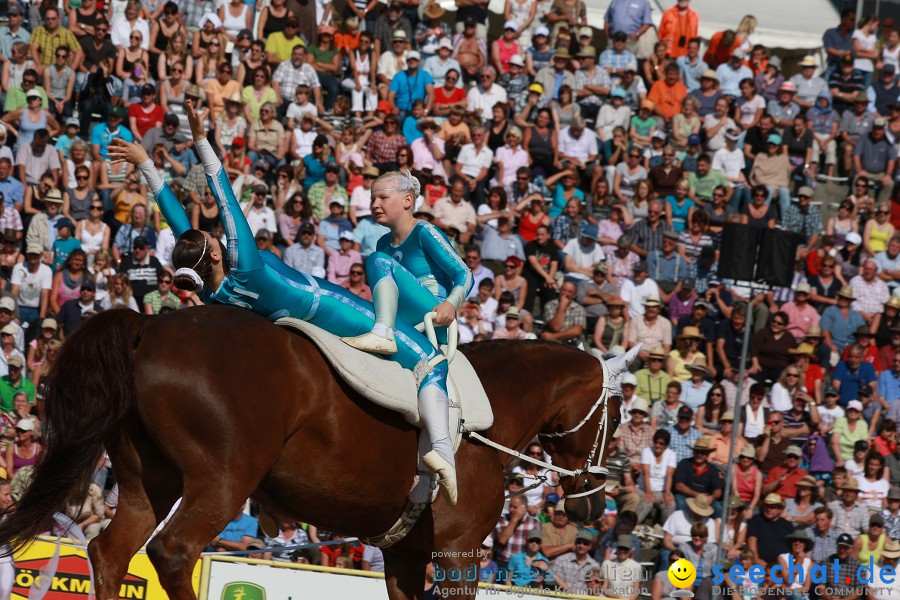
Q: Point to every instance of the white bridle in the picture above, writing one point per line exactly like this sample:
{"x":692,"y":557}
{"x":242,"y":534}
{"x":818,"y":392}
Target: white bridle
{"x":599,"y":441}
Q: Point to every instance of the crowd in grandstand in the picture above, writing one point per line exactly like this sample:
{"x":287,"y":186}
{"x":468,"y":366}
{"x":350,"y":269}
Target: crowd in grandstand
{"x":585,"y":177}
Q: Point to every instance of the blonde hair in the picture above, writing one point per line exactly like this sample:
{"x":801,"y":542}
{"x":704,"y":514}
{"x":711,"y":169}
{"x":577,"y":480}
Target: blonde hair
{"x":403,"y":182}
{"x":747,"y":25}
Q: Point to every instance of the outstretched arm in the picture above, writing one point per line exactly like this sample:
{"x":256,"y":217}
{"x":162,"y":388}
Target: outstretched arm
{"x":132,"y":152}
{"x":447,"y":260}
{"x":242,"y":251}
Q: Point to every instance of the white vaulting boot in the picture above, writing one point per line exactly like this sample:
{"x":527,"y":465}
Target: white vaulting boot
{"x":372,"y":342}
{"x":446,"y":475}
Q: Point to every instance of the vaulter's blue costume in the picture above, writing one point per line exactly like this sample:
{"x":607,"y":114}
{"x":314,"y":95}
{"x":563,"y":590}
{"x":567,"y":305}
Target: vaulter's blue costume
{"x":424,"y":269}
{"x":261,"y":282}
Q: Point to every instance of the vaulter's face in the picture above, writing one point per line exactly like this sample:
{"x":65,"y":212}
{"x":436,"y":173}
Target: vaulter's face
{"x":388,"y":204}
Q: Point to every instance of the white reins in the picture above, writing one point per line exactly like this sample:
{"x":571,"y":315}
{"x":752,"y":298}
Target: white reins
{"x":599,"y":441}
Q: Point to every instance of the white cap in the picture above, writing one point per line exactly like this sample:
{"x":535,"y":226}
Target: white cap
{"x":853,"y":238}
{"x":8,"y":303}
{"x":629,"y":379}
{"x":347,"y":235}
{"x":517,"y":60}
{"x":25,"y":425}
{"x":855,"y":405}
{"x":445,"y":43}
{"x":413,"y":55}
{"x":511,"y":25}
{"x":542,"y":31}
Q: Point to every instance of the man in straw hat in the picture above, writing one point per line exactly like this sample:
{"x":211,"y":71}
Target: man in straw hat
{"x":653,"y":379}
{"x":677,"y":528}
{"x":651,"y":330}
{"x":784,"y":479}
{"x":850,"y":516}
{"x":636,"y":433}
{"x":808,"y":84}
{"x":695,"y":390}
{"x":592,"y":83}
{"x":696,"y":476}
{"x":766,"y":531}
{"x":556,"y":74}
{"x":839,"y":322}
{"x":886,"y":584}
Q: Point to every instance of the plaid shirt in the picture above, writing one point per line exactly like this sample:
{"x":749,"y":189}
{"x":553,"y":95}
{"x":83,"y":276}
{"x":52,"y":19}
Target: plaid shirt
{"x":683,"y":444}
{"x":870,"y":297}
{"x":574,"y":574}
{"x":288,"y":78}
{"x":519,"y":538}
{"x":823,"y":545}
{"x":806,"y":224}
{"x":610,"y":59}
{"x":575,"y":314}
{"x":195,"y":180}
{"x":193,"y":11}
{"x":47,"y":43}
{"x":853,"y":521}
{"x":634,"y":440}
{"x":10,"y":220}
{"x":849,"y":566}
{"x":384,"y":150}
{"x":600,"y":78}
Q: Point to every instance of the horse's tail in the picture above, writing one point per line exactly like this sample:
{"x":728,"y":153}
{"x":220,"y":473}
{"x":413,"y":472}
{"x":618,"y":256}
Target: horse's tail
{"x":89,"y":392}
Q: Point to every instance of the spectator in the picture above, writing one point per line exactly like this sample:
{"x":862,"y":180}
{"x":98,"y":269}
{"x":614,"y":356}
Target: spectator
{"x":515,"y":531}
{"x":874,"y":157}
{"x":677,"y":528}
{"x":142,"y":268}
{"x":784,"y":479}
{"x":852,"y":374}
{"x":620,"y":577}
{"x":73,"y":312}
{"x":695,"y":476}
{"x":678,"y":25}
{"x":767,"y":530}
{"x":572,"y":570}
{"x":305,"y":256}
{"x":840,"y":321}
{"x":456,"y":212}
{"x":564,"y":317}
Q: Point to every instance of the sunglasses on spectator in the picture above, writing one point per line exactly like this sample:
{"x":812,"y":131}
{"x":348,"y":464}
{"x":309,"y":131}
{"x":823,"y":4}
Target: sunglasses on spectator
{"x":774,"y":421}
{"x":93,"y":207}
{"x":135,"y":37}
{"x":82,"y":178}
{"x":178,"y":70}
{"x":356,"y":272}
{"x":882,"y":212}
{"x":165,"y":281}
{"x":62,"y":55}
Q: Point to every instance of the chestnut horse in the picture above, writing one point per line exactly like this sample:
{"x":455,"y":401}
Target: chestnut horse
{"x":215,"y":404}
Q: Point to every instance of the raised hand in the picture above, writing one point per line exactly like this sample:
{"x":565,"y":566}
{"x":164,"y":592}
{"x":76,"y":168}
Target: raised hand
{"x":120,"y":151}
{"x":195,"y":121}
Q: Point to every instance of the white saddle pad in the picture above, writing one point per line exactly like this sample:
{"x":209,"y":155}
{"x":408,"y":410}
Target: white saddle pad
{"x":387,"y":384}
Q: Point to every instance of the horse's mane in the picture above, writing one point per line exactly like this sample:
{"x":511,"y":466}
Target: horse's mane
{"x":523,"y":353}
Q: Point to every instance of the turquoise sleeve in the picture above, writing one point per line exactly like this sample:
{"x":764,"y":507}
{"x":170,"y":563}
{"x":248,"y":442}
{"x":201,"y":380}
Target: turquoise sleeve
{"x":172,"y":210}
{"x":438,"y":249}
{"x":243,"y":254}
{"x":169,"y":205}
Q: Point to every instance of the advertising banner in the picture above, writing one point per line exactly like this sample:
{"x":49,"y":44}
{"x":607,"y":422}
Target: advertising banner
{"x":72,"y":578}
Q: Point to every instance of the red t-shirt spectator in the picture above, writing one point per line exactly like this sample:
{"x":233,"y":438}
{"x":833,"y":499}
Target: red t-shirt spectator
{"x":145,"y":120}
{"x":442,"y":97}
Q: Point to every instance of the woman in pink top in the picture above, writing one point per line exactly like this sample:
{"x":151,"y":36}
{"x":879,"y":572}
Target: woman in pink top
{"x":505,"y":47}
{"x":510,"y":157}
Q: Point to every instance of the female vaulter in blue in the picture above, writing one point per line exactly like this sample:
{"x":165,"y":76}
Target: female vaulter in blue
{"x":243,"y":276}
{"x":413,"y":271}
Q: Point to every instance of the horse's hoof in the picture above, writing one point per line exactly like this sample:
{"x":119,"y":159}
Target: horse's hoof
{"x":446,"y":475}
{"x":370,"y":342}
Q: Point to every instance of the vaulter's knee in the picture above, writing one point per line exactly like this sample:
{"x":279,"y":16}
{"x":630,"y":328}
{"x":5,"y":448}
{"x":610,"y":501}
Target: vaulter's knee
{"x":378,"y":265}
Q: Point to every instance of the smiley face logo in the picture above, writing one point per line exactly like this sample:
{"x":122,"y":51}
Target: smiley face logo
{"x":682,"y":573}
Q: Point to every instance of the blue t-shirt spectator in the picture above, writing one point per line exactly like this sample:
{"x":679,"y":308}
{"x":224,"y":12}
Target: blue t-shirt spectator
{"x":102,"y":136}
{"x":852,"y":379}
{"x":410,"y":87}
{"x":841,"y":329}
{"x":244,"y":525}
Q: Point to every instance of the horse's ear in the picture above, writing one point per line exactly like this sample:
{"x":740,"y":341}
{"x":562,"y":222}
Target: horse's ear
{"x":621,"y":363}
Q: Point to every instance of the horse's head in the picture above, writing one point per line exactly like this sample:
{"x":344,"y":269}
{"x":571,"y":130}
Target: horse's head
{"x":579,"y":436}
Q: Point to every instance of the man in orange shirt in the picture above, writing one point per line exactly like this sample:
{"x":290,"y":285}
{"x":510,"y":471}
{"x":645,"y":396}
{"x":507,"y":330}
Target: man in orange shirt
{"x":667,"y":93}
{"x":678,"y":26}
